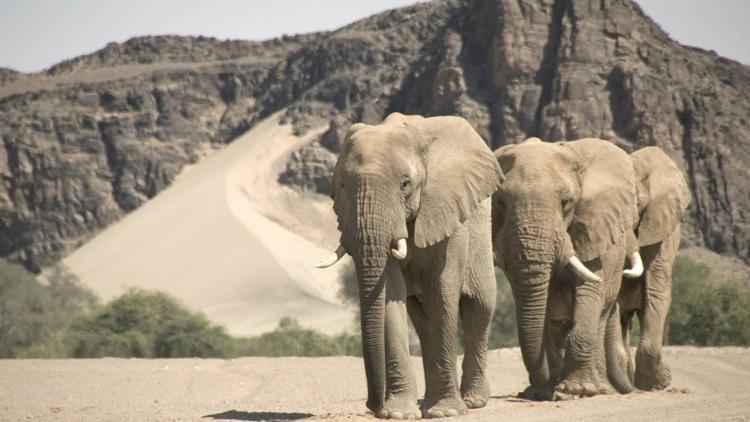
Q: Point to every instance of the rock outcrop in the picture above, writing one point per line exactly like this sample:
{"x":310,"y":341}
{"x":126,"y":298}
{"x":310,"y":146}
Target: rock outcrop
{"x":94,"y":137}
{"x":568,"y":69}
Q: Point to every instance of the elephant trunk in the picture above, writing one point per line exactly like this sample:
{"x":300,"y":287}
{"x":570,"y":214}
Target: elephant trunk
{"x":531,"y":305}
{"x":531,"y":242}
{"x":372,"y":316}
{"x":374,"y":237}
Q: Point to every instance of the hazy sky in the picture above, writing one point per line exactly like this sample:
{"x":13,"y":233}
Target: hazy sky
{"x":34,"y":34}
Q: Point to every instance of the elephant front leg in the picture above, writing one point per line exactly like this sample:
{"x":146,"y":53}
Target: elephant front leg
{"x":580,"y":375}
{"x":441,"y":301}
{"x":442,"y":397}
{"x":401,"y":389}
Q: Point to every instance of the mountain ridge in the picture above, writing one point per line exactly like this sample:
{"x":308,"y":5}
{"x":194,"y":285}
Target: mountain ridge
{"x":98,"y":135}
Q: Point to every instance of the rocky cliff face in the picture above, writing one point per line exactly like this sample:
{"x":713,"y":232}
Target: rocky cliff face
{"x":96,"y":136}
{"x":568,"y":69}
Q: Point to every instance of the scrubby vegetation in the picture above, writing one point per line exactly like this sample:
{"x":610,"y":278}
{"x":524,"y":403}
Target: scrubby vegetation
{"x":146,"y":325}
{"x":34,"y":316}
{"x":59,"y":318}
{"x":707,"y":312}
{"x":290,"y":339}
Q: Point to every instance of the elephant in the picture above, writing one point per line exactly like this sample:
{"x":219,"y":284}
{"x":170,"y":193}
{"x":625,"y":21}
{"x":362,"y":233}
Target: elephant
{"x":560,"y":222}
{"x":663,"y":197}
{"x":412,"y":196}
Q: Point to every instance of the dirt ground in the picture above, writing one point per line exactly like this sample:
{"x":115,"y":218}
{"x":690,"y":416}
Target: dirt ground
{"x":708,"y":384}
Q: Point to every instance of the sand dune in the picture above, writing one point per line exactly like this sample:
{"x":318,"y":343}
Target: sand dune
{"x":708,"y":384}
{"x":208,"y":240}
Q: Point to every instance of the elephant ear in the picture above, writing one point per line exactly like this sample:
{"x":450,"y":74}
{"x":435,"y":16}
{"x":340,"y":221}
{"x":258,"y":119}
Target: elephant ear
{"x":460,"y":173}
{"x":663,"y":195}
{"x":506,"y":161}
{"x":606,"y":209}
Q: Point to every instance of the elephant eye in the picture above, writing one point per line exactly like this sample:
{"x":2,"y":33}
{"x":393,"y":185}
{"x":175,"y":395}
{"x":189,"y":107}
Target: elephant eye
{"x":405,"y":184}
{"x":566,"y":203}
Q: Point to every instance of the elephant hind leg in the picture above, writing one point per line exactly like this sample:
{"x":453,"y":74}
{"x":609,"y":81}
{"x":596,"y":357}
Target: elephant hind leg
{"x":418,"y":318}
{"x":476,"y":314}
{"x":651,"y":373}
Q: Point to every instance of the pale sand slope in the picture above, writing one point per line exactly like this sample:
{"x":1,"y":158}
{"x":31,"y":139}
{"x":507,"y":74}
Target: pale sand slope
{"x":251,"y":389}
{"x":206,"y":241}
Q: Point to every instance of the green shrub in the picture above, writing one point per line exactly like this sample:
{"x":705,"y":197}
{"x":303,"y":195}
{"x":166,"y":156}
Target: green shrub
{"x":35,"y":315}
{"x":706,"y":312}
{"x":146,"y":324}
{"x":290,"y":339}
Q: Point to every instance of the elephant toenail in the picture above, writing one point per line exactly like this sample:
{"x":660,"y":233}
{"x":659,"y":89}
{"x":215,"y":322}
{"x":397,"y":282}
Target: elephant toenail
{"x":397,"y":415}
{"x":589,"y":389}
{"x":575,"y":387}
{"x":437,"y":414}
{"x":451,"y":412}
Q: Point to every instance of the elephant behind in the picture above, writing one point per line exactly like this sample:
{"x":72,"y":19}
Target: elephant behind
{"x":560,"y":226}
{"x":412,"y":197}
{"x":663,"y":197}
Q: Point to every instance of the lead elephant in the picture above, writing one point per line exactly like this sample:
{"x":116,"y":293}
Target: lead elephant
{"x":421,"y":186}
{"x":560,"y":224}
{"x":663,"y":197}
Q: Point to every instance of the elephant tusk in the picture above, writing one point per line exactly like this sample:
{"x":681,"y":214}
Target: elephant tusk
{"x":582,"y":271}
{"x":332,"y":258}
{"x":637,"y":269}
{"x":400,"y":251}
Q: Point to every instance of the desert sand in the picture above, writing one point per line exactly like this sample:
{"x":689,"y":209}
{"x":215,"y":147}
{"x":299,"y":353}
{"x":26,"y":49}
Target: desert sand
{"x":708,"y":384}
{"x":209,"y":241}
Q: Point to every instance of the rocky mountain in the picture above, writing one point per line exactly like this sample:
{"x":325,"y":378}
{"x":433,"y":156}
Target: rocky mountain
{"x":96,"y":136}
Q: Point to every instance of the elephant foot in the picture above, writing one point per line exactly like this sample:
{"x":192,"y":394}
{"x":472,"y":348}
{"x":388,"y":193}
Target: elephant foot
{"x":444,"y":408}
{"x":649,"y":379}
{"x":571,"y":389}
{"x":580,"y":384}
{"x":537,"y":393}
{"x":399,"y":408}
{"x":476,"y":396}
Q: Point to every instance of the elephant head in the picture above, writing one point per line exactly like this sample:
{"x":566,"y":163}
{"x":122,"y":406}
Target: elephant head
{"x":406,"y":178}
{"x":561,"y":203}
{"x":663,"y":195}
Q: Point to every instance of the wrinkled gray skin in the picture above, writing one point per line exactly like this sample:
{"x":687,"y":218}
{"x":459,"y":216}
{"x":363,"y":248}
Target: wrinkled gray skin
{"x":663,"y":197}
{"x":561,"y":200}
{"x":428,"y":181}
